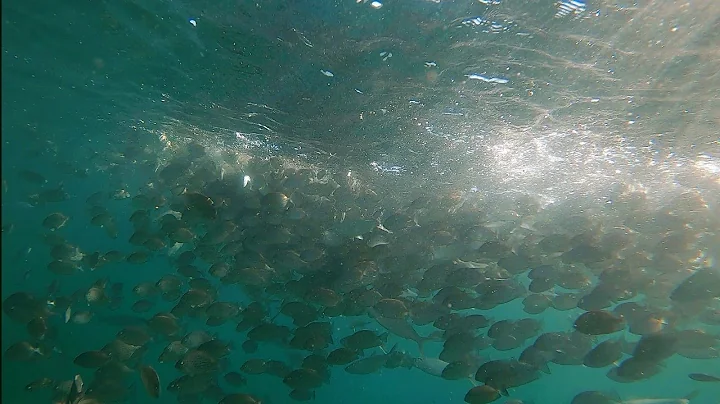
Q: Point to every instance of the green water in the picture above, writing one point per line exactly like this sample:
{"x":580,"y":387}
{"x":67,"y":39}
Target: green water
{"x":566,"y":105}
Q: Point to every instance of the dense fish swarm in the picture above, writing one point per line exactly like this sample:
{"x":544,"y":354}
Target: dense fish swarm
{"x":320,"y":264}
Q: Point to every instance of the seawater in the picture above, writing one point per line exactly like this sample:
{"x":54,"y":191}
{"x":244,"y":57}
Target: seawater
{"x":565,"y":101}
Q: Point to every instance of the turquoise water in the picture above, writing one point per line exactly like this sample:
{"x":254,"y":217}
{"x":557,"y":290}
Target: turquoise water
{"x":531,"y":117}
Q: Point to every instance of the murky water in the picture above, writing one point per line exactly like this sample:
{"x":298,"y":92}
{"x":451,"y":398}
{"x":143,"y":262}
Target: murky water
{"x":511,"y":159}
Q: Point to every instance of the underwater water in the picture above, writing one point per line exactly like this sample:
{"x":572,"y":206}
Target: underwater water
{"x":289,"y":199}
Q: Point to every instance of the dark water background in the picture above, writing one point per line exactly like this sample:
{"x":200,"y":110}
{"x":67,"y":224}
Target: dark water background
{"x":613,"y":95}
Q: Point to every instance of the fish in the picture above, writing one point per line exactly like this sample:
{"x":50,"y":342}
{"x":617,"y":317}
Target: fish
{"x":400,"y":327}
{"x":302,"y":395}
{"x":599,"y":322}
{"x":55,"y":221}
{"x":235,"y":379}
{"x":431,"y":366}
{"x":254,"y":366}
{"x":364,"y":339}
{"x":342,"y":356}
{"x":370,"y":364}
{"x":684,"y":400}
{"x":42,"y":383}
{"x":239,"y":398}
{"x":77,"y":391}
{"x":150,"y":380}
{"x":25,"y":351}
{"x":702,"y":285}
{"x":702,"y":377}
{"x":655,"y":347}
{"x":303,"y":379}
{"x":482,"y":395}
{"x":604,"y":354}
{"x":92,"y":359}
{"x":197,"y":362}
{"x":32,"y":177}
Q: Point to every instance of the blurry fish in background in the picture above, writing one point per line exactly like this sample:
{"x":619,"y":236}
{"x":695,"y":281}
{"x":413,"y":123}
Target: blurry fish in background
{"x":702,"y":377}
{"x":684,"y":400}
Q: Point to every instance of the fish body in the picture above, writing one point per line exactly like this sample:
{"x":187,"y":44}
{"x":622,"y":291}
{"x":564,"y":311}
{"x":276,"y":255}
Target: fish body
{"x":702,"y":377}
{"x":431,"y":366}
{"x":150,"y":380}
{"x":76,"y":391}
{"x":399,"y":327}
{"x":367,"y":365}
{"x":684,"y":400}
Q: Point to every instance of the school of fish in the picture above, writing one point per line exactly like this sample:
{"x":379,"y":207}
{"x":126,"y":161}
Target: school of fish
{"x":303,"y":248}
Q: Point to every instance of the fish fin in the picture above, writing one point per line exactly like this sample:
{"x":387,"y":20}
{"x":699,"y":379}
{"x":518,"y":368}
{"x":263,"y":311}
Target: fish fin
{"x":77,"y":390}
{"x":693,"y":394}
{"x":384,"y":337}
{"x":505,"y":392}
{"x":546,"y":369}
{"x":413,"y":362}
{"x":420,"y":347}
{"x":623,"y":343}
{"x":394,"y":347}
{"x":282,"y":303}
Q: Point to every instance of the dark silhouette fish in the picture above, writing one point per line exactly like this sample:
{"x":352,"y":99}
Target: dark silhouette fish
{"x":702,"y":377}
